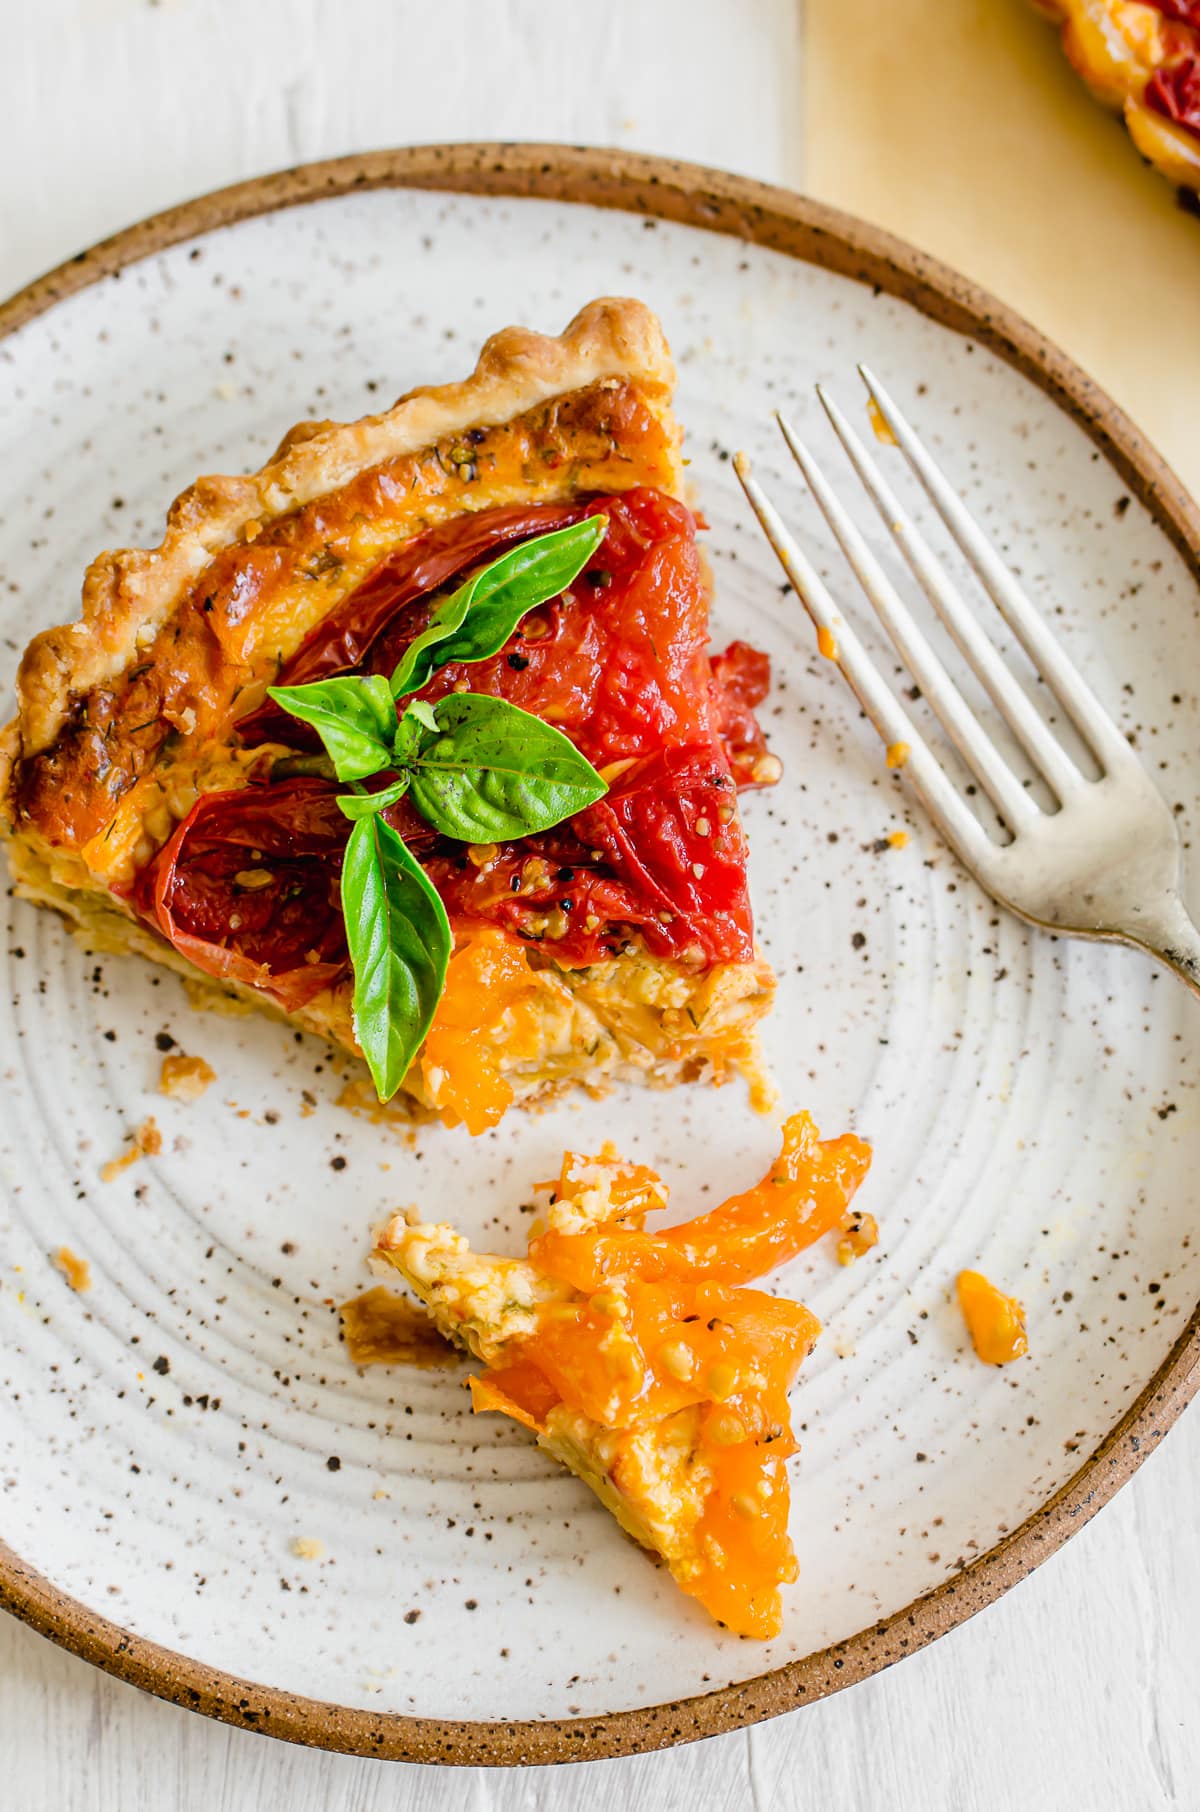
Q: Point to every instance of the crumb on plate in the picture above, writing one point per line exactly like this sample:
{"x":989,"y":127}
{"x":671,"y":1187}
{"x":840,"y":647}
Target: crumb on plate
{"x":74,"y":1269}
{"x":382,"y":1328}
{"x":145,"y":1143}
{"x":185,"y":1078}
{"x":995,"y":1322}
{"x":859,"y":1233}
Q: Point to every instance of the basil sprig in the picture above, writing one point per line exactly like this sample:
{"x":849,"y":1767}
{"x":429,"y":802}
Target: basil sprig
{"x":477,"y":768}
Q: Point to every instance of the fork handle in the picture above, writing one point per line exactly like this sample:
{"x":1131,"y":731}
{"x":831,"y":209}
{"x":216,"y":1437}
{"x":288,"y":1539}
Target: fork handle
{"x":1175,"y":941}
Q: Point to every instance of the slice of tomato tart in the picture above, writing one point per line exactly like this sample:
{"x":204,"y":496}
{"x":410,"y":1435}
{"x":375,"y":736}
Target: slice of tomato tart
{"x":1142,"y":59}
{"x":643,"y":1362}
{"x":415,"y":738}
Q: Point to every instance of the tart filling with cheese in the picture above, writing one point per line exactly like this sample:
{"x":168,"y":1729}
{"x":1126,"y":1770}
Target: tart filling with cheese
{"x":643,"y":1362}
{"x":159,"y":789}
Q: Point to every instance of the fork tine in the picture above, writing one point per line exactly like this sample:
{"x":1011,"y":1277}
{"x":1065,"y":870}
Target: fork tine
{"x":953,"y":818}
{"x":1043,"y":648}
{"x":969,"y":738}
{"x":1036,"y":740}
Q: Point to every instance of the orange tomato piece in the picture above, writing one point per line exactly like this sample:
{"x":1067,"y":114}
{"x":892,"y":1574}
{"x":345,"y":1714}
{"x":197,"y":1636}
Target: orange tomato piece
{"x":603,"y":1362}
{"x":633,"y":1189}
{"x":588,"y":1260}
{"x":995,"y":1322}
{"x":746,"y":1551}
{"x":519,"y":1390}
{"x":489,"y":988}
{"x":632,"y":1356}
{"x":803,"y":1195}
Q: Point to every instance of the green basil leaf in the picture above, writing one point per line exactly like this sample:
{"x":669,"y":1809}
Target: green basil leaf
{"x":420,"y":711}
{"x":421,"y":657}
{"x":476,"y":620}
{"x":493,"y":772}
{"x":355,"y":717}
{"x":365,"y":805}
{"x":417,"y":721}
{"x":400,"y":943}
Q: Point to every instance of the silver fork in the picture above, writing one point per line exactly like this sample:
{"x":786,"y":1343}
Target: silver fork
{"x":1107,"y":861}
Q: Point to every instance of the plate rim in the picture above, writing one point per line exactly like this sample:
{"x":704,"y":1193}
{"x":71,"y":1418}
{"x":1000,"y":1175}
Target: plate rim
{"x":658,"y":188}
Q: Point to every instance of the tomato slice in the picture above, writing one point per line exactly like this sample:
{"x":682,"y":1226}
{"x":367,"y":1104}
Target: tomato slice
{"x":619,"y":662}
{"x":1183,"y":12}
{"x":247,"y":888}
{"x":743,"y":678}
{"x":803,"y":1196}
{"x":743,"y":1540}
{"x":519,"y":1390}
{"x":1174,"y":91}
{"x":486,"y":1003}
{"x":357,"y":635}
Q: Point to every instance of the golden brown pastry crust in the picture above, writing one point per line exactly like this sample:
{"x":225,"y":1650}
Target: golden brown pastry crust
{"x":127,"y":595}
{"x":138,"y":696}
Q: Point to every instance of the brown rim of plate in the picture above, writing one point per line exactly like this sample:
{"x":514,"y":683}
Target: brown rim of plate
{"x":658,"y":189}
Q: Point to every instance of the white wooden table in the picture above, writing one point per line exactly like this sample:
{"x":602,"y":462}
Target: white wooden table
{"x":1079,"y":1687}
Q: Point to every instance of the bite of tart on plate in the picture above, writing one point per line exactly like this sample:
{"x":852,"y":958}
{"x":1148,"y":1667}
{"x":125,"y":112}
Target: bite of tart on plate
{"x":414,"y":738}
{"x":643,"y":1362}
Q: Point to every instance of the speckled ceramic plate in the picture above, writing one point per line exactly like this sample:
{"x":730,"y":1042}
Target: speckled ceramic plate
{"x":172,"y":1439}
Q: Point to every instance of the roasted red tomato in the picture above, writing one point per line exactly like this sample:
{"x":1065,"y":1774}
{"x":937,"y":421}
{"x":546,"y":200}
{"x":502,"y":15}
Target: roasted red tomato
{"x":355,"y":636}
{"x":743,"y":679}
{"x":1175,"y":92}
{"x":619,"y":663}
{"x":1184,"y":12}
{"x":247,"y":888}
{"x":662,"y":854}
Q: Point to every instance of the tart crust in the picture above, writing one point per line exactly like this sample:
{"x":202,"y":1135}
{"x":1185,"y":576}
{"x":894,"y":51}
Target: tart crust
{"x":134,"y":590}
